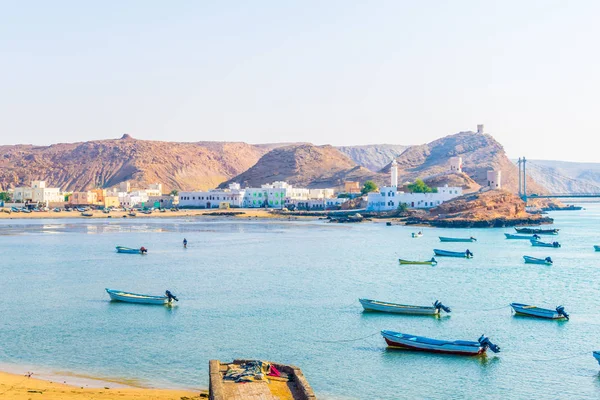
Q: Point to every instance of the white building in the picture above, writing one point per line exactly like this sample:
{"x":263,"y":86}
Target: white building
{"x":38,"y":193}
{"x":494,"y":179}
{"x":154,"y":189}
{"x":234,"y":196}
{"x":389,"y":198}
{"x":133,"y":199}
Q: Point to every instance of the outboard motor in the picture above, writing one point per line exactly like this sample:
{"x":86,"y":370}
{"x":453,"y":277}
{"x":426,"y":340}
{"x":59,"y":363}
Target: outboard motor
{"x":439,"y":306}
{"x":143,"y":250}
{"x":548,"y":259}
{"x":485,"y":343}
{"x":468,"y":253}
{"x":561,"y":311}
{"x":171,"y":296}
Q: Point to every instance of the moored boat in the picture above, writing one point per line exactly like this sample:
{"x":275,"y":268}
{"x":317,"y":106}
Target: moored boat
{"x":249,"y":379}
{"x":462,"y":347}
{"x":129,"y":250}
{"x":87,"y":214}
{"x":542,"y":261}
{"x":417,"y":235}
{"x":374,"y":305}
{"x":596,"y":355}
{"x":537,"y":243}
{"x":533,"y":311}
{"x":458,"y":240}
{"x":521,"y":237}
{"x":459,"y":254}
{"x":119,"y":295}
{"x":596,"y":247}
{"x":433,"y":262}
{"x":537,"y":231}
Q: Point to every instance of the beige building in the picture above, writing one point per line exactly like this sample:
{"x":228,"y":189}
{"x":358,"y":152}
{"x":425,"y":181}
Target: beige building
{"x":83,"y":198}
{"x":163,"y":201}
{"x":351,"y":187}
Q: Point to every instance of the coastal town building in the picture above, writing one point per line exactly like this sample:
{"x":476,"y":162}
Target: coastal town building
{"x":86,"y":198}
{"x":389,"y":198}
{"x":37,"y":193}
{"x":154,"y":189}
{"x":351,"y":187}
{"x":212,"y":198}
{"x":125,"y":187}
{"x":163,"y":201}
{"x":494,"y":179}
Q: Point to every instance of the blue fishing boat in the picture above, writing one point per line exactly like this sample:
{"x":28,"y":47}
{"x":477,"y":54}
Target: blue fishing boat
{"x":521,"y":237}
{"x":596,"y":247}
{"x":537,"y":231}
{"x":459,"y":254}
{"x":533,"y":311}
{"x":118,"y":295}
{"x":374,"y":305}
{"x":537,"y":243}
{"x":458,"y":240}
{"x":541,"y":261}
{"x":596,"y":355}
{"x":412,"y":342}
{"x":129,"y":250}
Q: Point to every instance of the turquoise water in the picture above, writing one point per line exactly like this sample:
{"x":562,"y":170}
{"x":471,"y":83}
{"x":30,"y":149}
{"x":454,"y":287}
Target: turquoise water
{"x":283,"y":290}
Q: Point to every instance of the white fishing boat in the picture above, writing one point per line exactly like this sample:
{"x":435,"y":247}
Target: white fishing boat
{"x":382,"y":306}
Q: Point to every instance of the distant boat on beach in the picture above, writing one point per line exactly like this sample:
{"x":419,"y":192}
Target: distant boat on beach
{"x":461,"y":347}
{"x":118,"y":295}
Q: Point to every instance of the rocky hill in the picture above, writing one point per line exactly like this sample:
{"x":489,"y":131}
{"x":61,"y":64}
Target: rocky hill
{"x":480,"y":153}
{"x":105,"y":163}
{"x":373,"y":156}
{"x":304,"y":165}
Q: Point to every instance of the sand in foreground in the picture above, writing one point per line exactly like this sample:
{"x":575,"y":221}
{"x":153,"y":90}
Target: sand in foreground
{"x":19,"y":387}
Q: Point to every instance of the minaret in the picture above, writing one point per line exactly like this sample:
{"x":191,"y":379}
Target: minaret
{"x":394,"y":174}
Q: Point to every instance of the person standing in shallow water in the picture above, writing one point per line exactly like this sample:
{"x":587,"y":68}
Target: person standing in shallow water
{"x":184,"y":242}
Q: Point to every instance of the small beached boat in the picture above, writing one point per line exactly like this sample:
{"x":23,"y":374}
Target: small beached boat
{"x":87,"y":214}
{"x":118,"y":295}
{"x":537,"y":243}
{"x":417,"y":235}
{"x":596,"y":247}
{"x":459,"y":254}
{"x":596,"y":355}
{"x":521,"y":237}
{"x":411,"y":342}
{"x":433,"y":262}
{"x":374,"y":305}
{"x":533,"y":260}
{"x":250,"y":379}
{"x":129,"y":250}
{"x":537,"y":231}
{"x":458,"y":240}
{"x":533,"y":311}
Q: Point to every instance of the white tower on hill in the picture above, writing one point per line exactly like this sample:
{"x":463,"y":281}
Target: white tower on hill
{"x":394,"y":174}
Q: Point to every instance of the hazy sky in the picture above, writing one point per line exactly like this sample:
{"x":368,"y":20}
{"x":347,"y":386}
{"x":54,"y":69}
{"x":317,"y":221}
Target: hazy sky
{"x":337,"y":72}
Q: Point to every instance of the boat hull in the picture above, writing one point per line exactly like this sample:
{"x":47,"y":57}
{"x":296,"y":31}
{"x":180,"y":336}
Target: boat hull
{"x":537,"y":231}
{"x":380,"y":306}
{"x":456,"y":240}
{"x":536,"y":243}
{"x":117,"y":295}
{"x":410,"y":342}
{"x":408,"y":262}
{"x":445,"y":253}
{"x":127,"y":250}
{"x":533,"y":260}
{"x":596,"y":355}
{"x":518,"y":237}
{"x":536,"y":312}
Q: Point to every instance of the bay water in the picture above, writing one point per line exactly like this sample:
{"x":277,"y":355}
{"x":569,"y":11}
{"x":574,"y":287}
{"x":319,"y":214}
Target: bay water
{"x":288,"y":292}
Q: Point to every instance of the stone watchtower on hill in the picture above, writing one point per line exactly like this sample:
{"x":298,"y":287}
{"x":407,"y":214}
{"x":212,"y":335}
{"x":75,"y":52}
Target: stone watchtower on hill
{"x":494,"y":179}
{"x":455,"y":164}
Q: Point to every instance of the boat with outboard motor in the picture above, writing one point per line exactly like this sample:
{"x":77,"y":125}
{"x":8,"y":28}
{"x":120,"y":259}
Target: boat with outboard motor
{"x":533,"y":311}
{"x":537,"y":243}
{"x":596,"y":247}
{"x":461,"y":347}
{"x":119,"y":295}
{"x":417,"y":235}
{"x":457,"y":240}
{"x":537,"y":231}
{"x":432,"y":262}
{"x":521,"y":237}
{"x":374,"y":305}
{"x":459,"y":254}
{"x":129,"y":250}
{"x":541,"y":261}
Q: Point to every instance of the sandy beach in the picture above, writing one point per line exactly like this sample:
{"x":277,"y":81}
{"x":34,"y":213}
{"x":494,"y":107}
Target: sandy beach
{"x":231,"y":213}
{"x":22,"y":387}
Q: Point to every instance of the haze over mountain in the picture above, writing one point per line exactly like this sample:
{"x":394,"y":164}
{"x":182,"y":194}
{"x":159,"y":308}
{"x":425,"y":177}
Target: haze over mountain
{"x":373,"y":156}
{"x":564,"y":176}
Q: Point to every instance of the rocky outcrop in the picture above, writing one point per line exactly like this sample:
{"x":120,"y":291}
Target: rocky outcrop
{"x":495,"y":208}
{"x":304,"y":165}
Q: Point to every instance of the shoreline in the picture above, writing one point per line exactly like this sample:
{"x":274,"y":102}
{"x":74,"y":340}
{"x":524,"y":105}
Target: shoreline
{"x":18,"y":385}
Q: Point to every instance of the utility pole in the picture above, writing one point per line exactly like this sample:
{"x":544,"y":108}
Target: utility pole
{"x":524,"y":181}
{"x":520,"y":192}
